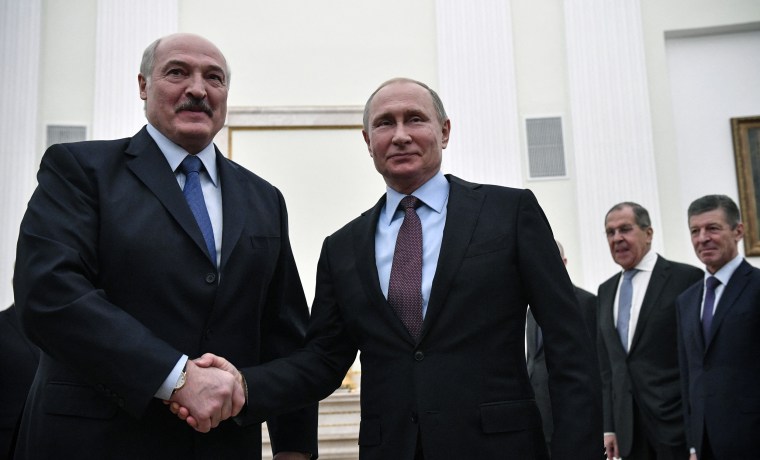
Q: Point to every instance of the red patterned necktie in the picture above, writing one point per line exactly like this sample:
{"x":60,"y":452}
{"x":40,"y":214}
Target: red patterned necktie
{"x":405,"y":287}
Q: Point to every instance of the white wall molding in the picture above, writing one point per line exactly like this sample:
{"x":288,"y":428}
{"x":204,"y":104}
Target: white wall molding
{"x":477,"y":85}
{"x":20,"y":26}
{"x":611,"y":121}
{"x":123,"y":31}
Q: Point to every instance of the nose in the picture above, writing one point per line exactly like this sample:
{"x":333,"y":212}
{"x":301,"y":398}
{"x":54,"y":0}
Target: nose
{"x":400,"y":135}
{"x":196,"y":86}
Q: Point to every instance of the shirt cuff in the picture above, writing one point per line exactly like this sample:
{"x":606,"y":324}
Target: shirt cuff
{"x":165,"y":390}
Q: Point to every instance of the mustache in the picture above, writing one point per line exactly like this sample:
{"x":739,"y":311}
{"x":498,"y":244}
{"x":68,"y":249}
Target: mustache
{"x":195,"y":104}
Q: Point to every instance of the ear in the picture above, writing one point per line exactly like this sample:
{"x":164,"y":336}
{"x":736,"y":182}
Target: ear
{"x":739,"y":232}
{"x":649,"y":232}
{"x":143,"y":83}
{"x":445,"y":131}
{"x":366,"y":140}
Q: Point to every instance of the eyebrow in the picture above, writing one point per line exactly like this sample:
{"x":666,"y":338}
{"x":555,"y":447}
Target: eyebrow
{"x":181,"y":63}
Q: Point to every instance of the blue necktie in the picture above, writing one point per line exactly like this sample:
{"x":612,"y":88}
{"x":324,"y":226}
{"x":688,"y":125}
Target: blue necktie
{"x":707,"y":312}
{"x":191,"y":167}
{"x":624,"y":306}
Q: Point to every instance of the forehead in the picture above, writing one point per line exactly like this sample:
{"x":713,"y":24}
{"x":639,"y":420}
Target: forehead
{"x":621,"y":217}
{"x":190,"y":50}
{"x":716,"y":216}
{"x":401,"y":96}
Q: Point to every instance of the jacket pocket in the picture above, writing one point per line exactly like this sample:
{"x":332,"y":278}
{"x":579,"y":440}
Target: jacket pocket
{"x":505,"y":416}
{"x":77,"y":400}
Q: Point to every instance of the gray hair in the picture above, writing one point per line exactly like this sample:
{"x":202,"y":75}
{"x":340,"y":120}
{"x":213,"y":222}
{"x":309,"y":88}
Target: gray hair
{"x":712,"y":202}
{"x":437,"y":103}
{"x":639,"y":212}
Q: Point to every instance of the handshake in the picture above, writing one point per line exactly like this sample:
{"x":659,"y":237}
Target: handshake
{"x":214,"y":391}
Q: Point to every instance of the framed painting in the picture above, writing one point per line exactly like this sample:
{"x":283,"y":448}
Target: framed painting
{"x":746,"y":135}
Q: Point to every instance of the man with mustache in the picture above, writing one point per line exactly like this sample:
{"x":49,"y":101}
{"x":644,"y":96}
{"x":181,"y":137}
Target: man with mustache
{"x":636,"y":342}
{"x":137,"y":254}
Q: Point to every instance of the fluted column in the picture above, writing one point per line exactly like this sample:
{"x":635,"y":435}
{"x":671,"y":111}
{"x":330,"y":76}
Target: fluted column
{"x":124,"y":29}
{"x":611,"y":121}
{"x":477,"y":84}
{"x":20,"y":23}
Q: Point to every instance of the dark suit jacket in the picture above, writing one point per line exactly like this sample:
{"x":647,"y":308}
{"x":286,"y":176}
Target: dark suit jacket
{"x":720,"y":379}
{"x":536,"y":360}
{"x":649,"y":373}
{"x":113,"y":282}
{"x":463,"y":387}
{"x":18,"y":363}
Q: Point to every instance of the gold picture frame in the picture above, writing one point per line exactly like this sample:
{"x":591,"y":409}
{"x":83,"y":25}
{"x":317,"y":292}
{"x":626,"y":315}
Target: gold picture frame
{"x":746,"y":135}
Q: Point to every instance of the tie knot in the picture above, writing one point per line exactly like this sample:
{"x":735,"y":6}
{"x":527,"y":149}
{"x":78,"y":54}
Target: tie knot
{"x":628,"y":274}
{"x":410,"y":202}
{"x":191,"y":164}
{"x":712,"y":282}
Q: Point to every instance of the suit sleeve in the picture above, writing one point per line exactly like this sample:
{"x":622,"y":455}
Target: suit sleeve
{"x":605,"y":371}
{"x":314,"y":372}
{"x":283,"y":328}
{"x":683,"y":362}
{"x":56,"y":289}
{"x":574,"y":385}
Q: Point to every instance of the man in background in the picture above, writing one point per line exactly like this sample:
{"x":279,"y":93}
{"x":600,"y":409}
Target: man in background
{"x":719,"y":337}
{"x":536,"y":360}
{"x":135,"y":254}
{"x":636,"y":341}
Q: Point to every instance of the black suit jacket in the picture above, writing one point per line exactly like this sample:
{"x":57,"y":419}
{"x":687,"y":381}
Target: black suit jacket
{"x":113,"y":282}
{"x":462,"y":389}
{"x":649,"y":372}
{"x":721,"y":374}
{"x":536,"y":360}
{"x":18,"y":363}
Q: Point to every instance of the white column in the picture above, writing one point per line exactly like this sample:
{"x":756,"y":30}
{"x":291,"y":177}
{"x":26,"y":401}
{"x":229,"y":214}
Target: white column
{"x":477,"y":85}
{"x":124,"y":30}
{"x":20,"y":24}
{"x":611,"y":121}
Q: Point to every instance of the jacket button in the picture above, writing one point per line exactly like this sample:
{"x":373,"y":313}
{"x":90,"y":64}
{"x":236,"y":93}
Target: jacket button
{"x":210,"y":278}
{"x":207,"y":335}
{"x":419,"y":356}
{"x":414,"y":417}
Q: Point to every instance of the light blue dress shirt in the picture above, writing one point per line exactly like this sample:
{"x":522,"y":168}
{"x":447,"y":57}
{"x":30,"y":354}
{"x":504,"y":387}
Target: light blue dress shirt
{"x":435,"y":196}
{"x":212,"y":195}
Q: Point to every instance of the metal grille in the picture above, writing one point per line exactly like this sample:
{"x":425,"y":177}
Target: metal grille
{"x":57,"y":134}
{"x":546,"y":152}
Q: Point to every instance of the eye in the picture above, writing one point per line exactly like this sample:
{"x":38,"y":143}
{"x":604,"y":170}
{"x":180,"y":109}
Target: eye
{"x":174,"y":71}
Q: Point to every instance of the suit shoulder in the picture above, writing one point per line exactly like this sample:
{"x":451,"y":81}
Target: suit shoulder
{"x":689,"y":272}
{"x":584,"y":294}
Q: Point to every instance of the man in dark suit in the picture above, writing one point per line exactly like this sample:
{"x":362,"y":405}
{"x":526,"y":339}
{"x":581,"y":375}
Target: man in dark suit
{"x":638,"y":355}
{"x":719,"y":339}
{"x":536,"y":360}
{"x":438,"y":314}
{"x":120,"y":278}
{"x":18,"y":363}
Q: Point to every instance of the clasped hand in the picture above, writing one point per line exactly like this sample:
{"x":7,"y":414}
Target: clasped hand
{"x":213,"y":392}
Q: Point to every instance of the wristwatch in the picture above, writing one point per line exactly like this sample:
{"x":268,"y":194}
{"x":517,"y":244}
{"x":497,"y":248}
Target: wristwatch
{"x":181,"y":380}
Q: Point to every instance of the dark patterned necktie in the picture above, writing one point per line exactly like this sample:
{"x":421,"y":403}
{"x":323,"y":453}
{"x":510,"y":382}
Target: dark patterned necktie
{"x":708,"y":312}
{"x":191,"y":167}
{"x":405,"y":287}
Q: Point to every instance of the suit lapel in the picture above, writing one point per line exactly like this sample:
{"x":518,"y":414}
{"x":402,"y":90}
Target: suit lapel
{"x":233,"y":199}
{"x":657,"y":283}
{"x":732,"y":291}
{"x":150,"y":166}
{"x":691,"y":321}
{"x":463,"y":210}
{"x":363,"y":235}
{"x":607,"y":293}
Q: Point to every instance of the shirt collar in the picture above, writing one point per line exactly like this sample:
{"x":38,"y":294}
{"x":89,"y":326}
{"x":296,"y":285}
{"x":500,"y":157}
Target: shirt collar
{"x":726,"y":271}
{"x":432,"y":193}
{"x":646,"y":264}
{"x":175,"y":154}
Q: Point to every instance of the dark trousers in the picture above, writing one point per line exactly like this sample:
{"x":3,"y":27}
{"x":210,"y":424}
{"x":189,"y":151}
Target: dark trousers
{"x":645,"y":445}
